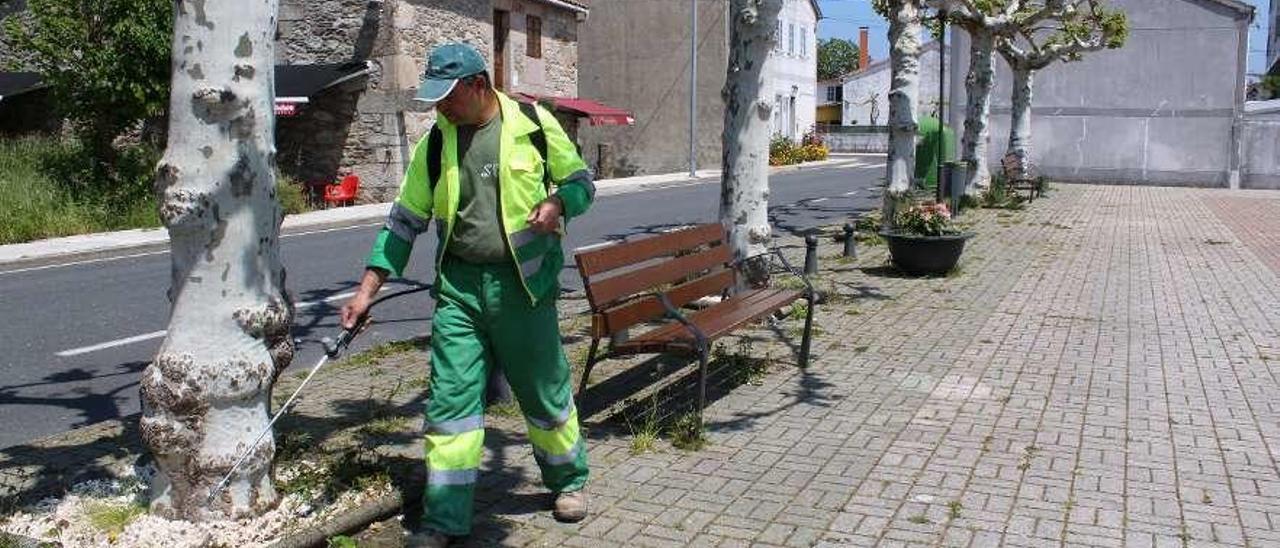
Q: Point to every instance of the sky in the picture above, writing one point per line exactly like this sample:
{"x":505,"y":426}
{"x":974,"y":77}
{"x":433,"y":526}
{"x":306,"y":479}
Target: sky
{"x":841,"y":18}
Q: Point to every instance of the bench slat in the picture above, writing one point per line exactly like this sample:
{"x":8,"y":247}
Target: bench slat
{"x":602,"y":293}
{"x":645,"y":309}
{"x":714,"y":322}
{"x":597,"y":261}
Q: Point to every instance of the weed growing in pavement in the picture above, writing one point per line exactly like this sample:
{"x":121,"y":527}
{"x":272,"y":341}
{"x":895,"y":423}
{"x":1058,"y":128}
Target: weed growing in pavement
{"x":687,"y":433}
{"x":919,"y":519}
{"x":112,"y":518}
{"x":386,"y":426}
{"x":354,"y":468}
{"x":504,"y":409}
{"x":953,"y":509}
{"x":644,"y":438}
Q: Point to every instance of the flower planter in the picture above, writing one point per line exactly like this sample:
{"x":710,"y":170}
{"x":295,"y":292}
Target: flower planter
{"x":916,"y":254}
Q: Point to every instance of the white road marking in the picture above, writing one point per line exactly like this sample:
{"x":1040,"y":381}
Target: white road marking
{"x":150,"y":253}
{"x":163,"y":332}
{"x":851,"y":193}
{"x":112,"y":344}
{"x":817,"y":200}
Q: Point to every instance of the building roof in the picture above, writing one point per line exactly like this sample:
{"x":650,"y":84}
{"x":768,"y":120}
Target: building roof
{"x":579,"y":6}
{"x":1237,"y":5}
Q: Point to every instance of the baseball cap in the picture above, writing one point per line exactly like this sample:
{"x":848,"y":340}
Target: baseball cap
{"x":445,"y":66}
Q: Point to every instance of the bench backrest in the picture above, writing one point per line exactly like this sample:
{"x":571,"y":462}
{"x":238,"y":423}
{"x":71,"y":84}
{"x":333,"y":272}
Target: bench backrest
{"x":1013,"y":168}
{"x":686,"y":264}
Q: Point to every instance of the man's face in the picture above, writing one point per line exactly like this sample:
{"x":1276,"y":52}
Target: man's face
{"x":465,"y":104}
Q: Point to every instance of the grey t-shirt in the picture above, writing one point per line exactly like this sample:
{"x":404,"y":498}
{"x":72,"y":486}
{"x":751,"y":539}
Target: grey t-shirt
{"x":477,"y":231}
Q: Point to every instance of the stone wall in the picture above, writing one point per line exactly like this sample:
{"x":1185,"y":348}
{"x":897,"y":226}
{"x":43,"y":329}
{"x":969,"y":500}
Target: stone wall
{"x":370,"y":126}
{"x":10,"y":57}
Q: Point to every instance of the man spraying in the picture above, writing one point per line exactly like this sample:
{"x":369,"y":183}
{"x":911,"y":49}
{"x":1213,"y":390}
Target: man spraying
{"x":486,"y":173}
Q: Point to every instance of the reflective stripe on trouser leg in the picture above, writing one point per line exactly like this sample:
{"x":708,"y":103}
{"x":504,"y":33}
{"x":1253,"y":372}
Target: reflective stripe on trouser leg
{"x":454,"y":438}
{"x":560,"y":451}
{"x":526,"y":342}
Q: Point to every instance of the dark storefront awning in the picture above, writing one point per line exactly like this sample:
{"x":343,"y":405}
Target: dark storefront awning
{"x":296,"y":84}
{"x":13,"y":84}
{"x":595,"y":113}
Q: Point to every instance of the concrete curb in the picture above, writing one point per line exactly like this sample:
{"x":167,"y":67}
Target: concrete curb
{"x":147,"y":241}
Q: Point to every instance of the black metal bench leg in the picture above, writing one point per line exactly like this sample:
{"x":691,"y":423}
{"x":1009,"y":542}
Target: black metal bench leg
{"x":702,"y":381}
{"x":586,"y":370}
{"x":808,"y":332}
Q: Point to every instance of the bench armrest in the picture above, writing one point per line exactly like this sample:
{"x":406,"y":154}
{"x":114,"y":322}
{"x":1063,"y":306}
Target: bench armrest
{"x":698,"y":336}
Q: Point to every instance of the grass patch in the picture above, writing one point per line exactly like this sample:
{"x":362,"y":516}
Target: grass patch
{"x":342,"y":541}
{"x":386,"y":425}
{"x":742,"y":365}
{"x":354,"y":468}
{"x":47,"y":190}
{"x":953,"y":509}
{"x":919,"y":519}
{"x":504,"y":409}
{"x":377,"y":353}
{"x":687,"y":433}
{"x":112,"y":518}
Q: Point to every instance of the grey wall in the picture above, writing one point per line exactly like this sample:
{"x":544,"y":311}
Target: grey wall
{"x":635,"y":55}
{"x":1260,"y":141}
{"x":1158,"y":111}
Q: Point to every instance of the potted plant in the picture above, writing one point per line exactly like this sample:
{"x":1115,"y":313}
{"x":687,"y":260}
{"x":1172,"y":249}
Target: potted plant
{"x":924,"y":240}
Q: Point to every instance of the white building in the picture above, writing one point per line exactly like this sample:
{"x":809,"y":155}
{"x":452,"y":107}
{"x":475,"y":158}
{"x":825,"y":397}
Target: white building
{"x":866,"y":94}
{"x":791,"y":72}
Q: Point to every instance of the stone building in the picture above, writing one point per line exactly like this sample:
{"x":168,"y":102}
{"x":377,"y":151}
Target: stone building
{"x":348,"y":69}
{"x":636,"y":54}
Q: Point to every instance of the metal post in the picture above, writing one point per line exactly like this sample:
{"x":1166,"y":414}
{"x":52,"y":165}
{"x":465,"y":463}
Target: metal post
{"x":693,"y":88}
{"x":942,"y":73}
{"x":849,"y":250}
{"x":811,"y":254}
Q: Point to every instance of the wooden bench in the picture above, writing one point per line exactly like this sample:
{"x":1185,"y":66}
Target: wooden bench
{"x":1019,"y":178}
{"x":648,"y":280}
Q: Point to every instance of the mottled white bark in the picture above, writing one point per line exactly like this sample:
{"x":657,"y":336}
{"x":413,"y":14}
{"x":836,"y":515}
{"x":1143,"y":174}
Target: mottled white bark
{"x":1020,"y":116}
{"x":978,"y":84}
{"x":207,"y":394}
{"x":904,"y":96}
{"x":744,"y":188}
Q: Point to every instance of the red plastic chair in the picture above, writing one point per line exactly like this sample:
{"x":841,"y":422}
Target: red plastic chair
{"x":342,"y":193}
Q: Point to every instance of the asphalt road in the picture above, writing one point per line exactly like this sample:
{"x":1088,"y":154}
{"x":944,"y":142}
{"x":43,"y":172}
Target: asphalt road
{"x":77,"y":336}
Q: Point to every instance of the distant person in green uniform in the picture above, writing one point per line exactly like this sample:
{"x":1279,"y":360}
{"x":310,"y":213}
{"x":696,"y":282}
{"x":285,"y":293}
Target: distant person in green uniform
{"x":507,"y":177}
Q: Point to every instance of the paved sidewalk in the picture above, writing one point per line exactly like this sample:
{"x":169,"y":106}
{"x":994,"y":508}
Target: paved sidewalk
{"x":1102,"y":371}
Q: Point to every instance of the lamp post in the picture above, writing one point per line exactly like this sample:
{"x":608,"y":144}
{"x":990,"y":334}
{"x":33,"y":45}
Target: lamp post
{"x":693,"y":88}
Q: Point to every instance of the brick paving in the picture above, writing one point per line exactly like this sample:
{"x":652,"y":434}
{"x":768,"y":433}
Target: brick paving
{"x":1102,"y":371}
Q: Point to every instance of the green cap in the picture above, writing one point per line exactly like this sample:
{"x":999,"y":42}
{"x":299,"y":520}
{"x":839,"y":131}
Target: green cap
{"x":445,"y":66}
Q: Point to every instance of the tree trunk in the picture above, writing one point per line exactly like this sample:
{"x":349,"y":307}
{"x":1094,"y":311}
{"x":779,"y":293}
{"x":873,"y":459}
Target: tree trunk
{"x":1020,"y":117}
{"x":978,"y":84}
{"x":207,"y":394}
{"x":744,"y":187}
{"x":904,"y":93}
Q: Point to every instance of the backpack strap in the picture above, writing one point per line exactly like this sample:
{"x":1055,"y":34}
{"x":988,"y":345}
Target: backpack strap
{"x":435,"y":144}
{"x":539,"y":140}
{"x":435,"y":147}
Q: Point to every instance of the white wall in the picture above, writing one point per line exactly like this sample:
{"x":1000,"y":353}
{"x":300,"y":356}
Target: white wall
{"x":791,"y":72}
{"x":861,"y":89}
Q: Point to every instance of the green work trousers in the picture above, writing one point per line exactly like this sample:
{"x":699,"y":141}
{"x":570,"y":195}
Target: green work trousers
{"x":483,"y":319}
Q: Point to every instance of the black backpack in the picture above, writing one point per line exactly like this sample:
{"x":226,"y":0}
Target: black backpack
{"x":435,"y":144}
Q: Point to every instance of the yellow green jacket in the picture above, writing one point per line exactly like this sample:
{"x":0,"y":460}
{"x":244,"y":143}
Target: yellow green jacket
{"x":538,"y":257}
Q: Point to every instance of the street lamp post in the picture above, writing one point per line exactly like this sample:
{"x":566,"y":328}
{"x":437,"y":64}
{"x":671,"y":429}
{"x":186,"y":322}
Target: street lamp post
{"x":693,"y":88}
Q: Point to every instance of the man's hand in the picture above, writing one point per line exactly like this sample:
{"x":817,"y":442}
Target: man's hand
{"x":545,"y":217}
{"x":359,"y":304}
{"x":355,"y":309}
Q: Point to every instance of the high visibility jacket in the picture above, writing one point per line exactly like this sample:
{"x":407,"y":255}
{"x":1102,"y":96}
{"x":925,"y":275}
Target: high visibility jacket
{"x":538,"y":257}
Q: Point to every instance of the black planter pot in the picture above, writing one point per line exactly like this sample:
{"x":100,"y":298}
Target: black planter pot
{"x":916,"y":254}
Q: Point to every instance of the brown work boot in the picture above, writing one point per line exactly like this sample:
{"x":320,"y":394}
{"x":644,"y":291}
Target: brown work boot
{"x":426,"y":539}
{"x":570,"y":507}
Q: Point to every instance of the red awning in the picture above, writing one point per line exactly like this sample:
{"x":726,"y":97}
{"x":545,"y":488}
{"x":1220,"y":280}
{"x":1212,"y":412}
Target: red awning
{"x":595,"y":113}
